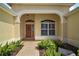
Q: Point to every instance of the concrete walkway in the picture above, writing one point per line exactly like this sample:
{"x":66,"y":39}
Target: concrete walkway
{"x":29,"y":49}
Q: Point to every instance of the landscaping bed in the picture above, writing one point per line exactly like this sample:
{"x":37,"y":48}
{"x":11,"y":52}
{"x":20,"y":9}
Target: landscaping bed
{"x":10,"y":49}
{"x":48,"y":48}
{"x":54,"y":48}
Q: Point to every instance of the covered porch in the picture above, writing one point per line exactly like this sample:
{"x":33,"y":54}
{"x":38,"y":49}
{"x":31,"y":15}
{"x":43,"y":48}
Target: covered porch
{"x":40,"y":26}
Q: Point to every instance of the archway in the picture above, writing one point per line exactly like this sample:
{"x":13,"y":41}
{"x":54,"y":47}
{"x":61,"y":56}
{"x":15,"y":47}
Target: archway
{"x":36,"y":20}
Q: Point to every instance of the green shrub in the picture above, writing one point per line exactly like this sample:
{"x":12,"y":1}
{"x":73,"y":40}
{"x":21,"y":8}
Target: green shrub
{"x":5,"y":50}
{"x":12,"y":46}
{"x":51,"y":51}
{"x":44,"y":44}
{"x":8,"y":48}
{"x":18,"y":43}
{"x":50,"y":46}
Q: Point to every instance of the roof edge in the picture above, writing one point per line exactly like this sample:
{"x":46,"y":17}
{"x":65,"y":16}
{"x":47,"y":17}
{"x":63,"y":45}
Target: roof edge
{"x":72,"y":12}
{"x":5,"y":8}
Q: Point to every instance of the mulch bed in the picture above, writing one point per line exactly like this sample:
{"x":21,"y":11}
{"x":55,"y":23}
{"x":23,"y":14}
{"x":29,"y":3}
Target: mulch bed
{"x":16,"y":51}
{"x":69,"y":47}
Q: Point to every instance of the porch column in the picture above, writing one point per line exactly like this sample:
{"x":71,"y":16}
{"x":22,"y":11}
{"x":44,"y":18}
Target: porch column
{"x":63,"y":29}
{"x":17,"y":28}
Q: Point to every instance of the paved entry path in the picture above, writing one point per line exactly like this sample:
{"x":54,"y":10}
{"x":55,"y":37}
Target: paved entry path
{"x":29,"y":49}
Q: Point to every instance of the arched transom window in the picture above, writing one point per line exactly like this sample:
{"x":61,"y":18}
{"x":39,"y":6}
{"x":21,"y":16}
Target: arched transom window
{"x":47,"y":28}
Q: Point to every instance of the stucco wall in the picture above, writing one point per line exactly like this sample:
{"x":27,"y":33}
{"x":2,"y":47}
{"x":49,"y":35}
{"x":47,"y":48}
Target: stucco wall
{"x":6,"y":26}
{"x":37,"y":24}
{"x":73,"y":29}
{"x":17,"y":31}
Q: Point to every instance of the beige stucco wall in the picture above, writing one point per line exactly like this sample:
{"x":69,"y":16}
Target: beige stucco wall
{"x":73,"y":28}
{"x":6,"y":26}
{"x":37,"y":24}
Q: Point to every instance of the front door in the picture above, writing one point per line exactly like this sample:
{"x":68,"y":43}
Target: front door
{"x":30,"y":31}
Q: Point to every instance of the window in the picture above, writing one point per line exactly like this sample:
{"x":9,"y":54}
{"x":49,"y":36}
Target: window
{"x":48,"y":28}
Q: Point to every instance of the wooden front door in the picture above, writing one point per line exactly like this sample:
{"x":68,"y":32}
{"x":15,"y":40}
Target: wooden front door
{"x":30,"y":31}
